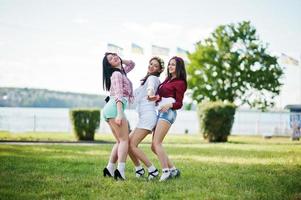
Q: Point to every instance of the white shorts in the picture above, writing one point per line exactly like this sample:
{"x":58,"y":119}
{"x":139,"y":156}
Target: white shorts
{"x":147,"y":120}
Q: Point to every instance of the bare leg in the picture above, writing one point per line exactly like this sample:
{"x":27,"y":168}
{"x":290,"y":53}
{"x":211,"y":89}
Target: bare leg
{"x":170,"y":164}
{"x":113,"y":156}
{"x":122,"y":136}
{"x":134,"y":159}
{"x":135,"y":139}
{"x":159,"y":135}
{"x":109,"y":170}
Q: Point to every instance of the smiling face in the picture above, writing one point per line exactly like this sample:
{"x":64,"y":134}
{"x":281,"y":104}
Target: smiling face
{"x":154,"y":66}
{"x":172,"y":65}
{"x":113,"y":59}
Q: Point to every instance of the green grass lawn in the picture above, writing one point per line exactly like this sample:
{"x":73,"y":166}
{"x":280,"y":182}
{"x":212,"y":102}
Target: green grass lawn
{"x":243,"y":168}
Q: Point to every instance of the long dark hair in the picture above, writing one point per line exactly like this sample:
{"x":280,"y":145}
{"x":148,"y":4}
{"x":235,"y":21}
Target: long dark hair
{"x":107,"y":71}
{"x":180,"y":69}
{"x":161,"y":63}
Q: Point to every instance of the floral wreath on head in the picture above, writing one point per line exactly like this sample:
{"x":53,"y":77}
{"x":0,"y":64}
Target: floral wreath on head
{"x":161,"y":61}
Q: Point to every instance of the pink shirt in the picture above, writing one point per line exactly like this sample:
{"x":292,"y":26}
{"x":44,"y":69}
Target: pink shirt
{"x":121,"y":86}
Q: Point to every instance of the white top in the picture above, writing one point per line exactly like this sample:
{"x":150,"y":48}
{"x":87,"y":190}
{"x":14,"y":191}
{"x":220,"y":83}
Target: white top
{"x":141,"y":93}
{"x":165,"y":101}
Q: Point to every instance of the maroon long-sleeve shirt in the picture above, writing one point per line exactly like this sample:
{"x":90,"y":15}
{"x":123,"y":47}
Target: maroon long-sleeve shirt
{"x":173,"y":88}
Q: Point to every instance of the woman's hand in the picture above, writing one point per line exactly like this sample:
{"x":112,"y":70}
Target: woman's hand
{"x":126,"y":62}
{"x":118,"y":121}
{"x":166,"y":107}
{"x":153,"y":98}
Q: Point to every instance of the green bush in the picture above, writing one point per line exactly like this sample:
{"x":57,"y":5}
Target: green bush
{"x":85,"y":122}
{"x":216,"y":120}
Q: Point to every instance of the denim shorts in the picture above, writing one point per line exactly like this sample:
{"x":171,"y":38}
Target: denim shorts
{"x":169,"y":116}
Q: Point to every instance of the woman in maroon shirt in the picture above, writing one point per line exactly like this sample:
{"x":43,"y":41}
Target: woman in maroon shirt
{"x":170,"y":98}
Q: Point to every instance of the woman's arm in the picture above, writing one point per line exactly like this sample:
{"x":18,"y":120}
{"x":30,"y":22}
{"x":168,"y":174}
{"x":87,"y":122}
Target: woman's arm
{"x":129,"y":65}
{"x":120,"y":114}
{"x":117,"y":89}
{"x":180,"y":90}
{"x":117,"y":86}
{"x":165,"y":107}
{"x":152,"y":85}
{"x":151,"y":88}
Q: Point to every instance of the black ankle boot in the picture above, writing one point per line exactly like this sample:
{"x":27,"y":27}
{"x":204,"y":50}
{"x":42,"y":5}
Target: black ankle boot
{"x":117,"y":175}
{"x":106,"y":172}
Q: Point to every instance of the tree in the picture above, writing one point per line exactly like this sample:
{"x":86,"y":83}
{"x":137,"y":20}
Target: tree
{"x":233,"y":65}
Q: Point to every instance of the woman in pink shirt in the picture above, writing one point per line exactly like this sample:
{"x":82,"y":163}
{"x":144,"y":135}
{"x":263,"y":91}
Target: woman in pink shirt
{"x":170,"y":96}
{"x":121,"y":93}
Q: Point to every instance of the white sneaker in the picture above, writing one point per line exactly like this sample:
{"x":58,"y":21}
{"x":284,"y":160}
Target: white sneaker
{"x":153,"y":174}
{"x":140,"y":173}
{"x":175,"y":173}
{"x":165,"y":175}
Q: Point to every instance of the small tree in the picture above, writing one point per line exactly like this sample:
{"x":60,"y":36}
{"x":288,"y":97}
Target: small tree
{"x":233,"y":65}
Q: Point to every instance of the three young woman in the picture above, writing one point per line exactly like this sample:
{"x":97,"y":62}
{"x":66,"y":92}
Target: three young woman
{"x":169,"y":98}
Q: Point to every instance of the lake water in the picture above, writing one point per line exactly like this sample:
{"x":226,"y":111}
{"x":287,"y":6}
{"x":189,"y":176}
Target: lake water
{"x":57,"y":120}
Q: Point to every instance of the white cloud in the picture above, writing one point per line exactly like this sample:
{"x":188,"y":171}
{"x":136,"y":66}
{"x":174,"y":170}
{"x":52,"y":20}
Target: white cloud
{"x":165,"y":34}
{"x":2,"y":43}
{"x":80,"y":20}
{"x":196,"y":34}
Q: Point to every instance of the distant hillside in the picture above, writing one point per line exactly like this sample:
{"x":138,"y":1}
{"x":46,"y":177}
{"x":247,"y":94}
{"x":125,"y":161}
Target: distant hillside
{"x":27,"y":97}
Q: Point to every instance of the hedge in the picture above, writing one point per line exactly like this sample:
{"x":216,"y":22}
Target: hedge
{"x":216,"y":120}
{"x":85,"y":122}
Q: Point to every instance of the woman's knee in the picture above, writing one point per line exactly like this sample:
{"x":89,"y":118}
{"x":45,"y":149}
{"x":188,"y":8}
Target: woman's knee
{"x":124,"y":140}
{"x":123,"y":137}
{"x":132,"y":144}
{"x":153,"y":148}
{"x":156,"y":146}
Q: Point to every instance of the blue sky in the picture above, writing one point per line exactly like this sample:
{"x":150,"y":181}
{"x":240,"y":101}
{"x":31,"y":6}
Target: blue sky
{"x":59,"y":45}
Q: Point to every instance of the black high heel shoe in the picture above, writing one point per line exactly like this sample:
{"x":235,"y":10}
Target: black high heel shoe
{"x":106,"y":172}
{"x":117,"y":175}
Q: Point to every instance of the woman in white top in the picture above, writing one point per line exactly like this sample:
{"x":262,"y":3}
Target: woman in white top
{"x":147,"y":117}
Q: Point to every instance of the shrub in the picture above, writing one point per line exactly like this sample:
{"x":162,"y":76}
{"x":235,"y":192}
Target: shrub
{"x":85,"y":122}
{"x":216,"y":120}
